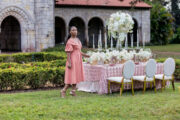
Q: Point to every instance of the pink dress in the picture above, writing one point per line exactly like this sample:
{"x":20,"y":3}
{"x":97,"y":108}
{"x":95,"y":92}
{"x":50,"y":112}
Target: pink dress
{"x":75,"y":74}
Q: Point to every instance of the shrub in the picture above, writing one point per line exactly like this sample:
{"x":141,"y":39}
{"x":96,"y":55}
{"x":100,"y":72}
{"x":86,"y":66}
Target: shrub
{"x":176,"y":37}
{"x":33,"y":57}
{"x":161,"y":25}
{"x":35,"y":77}
{"x":57,"y":48}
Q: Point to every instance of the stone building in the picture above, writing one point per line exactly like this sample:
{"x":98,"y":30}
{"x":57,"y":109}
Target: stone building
{"x":33,"y":25}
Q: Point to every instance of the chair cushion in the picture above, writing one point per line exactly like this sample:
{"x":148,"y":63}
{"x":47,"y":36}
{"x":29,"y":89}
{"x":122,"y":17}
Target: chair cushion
{"x":118,"y":79}
{"x":141,"y":78}
{"x":160,"y":77}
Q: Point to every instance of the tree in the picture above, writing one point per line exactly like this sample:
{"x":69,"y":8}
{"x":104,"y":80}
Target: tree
{"x":162,"y":2}
{"x":176,"y":12}
{"x":161,"y":25}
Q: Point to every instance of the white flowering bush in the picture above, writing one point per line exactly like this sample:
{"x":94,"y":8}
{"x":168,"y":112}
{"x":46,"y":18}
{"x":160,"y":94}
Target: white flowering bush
{"x":120,"y":24}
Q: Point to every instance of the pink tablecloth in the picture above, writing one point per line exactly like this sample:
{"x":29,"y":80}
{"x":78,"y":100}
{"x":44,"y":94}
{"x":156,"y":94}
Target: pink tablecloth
{"x":96,"y":75}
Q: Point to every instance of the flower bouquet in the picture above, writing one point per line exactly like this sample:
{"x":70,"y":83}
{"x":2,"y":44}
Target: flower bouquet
{"x":119,"y":25}
{"x":144,"y":56}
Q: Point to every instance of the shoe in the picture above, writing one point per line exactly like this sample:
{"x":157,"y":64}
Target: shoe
{"x":63,"y":94}
{"x":73,"y":92}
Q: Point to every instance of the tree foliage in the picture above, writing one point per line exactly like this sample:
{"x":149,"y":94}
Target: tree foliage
{"x":176,"y":12}
{"x":161,"y":25}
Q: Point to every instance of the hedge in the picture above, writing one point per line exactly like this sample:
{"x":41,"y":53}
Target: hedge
{"x":14,"y":76}
{"x":35,"y":77}
{"x":32,"y":57}
{"x":50,"y":64}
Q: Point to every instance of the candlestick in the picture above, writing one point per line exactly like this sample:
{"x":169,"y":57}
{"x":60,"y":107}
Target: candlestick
{"x":144,"y":36}
{"x":132,"y":44}
{"x":99,"y":41}
{"x":126,"y":42}
{"x":111,"y":43}
{"x":93,"y":42}
{"x":138,"y":38}
{"x":105,"y":41}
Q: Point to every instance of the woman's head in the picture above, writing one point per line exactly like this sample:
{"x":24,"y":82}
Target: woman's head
{"x":73,"y":31}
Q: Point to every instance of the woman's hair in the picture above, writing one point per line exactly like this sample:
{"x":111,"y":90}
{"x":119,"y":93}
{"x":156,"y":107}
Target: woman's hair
{"x":69,"y":35}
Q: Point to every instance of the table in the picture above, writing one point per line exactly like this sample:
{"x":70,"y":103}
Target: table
{"x":96,"y":77}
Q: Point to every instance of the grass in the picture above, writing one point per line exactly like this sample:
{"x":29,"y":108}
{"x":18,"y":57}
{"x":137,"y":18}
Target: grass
{"x":47,"y":105}
{"x":166,"y":48}
{"x":171,"y":50}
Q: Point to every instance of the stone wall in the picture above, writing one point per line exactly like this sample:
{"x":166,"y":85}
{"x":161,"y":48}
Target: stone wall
{"x":36,"y":18}
{"x":23,"y":11}
{"x":44,"y":11}
{"x":142,"y":16}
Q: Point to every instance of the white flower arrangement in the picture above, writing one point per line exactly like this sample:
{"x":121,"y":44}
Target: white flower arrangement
{"x":144,"y":55}
{"x":97,"y":58}
{"x":125,"y":55}
{"x":118,"y":56}
{"x":120,"y":24}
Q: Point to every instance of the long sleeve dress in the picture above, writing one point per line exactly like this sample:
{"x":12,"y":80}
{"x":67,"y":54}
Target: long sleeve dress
{"x":74,"y":74}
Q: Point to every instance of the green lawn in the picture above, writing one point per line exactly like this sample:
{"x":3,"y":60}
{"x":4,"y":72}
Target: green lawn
{"x":166,"y":48}
{"x":47,"y":105}
{"x":171,"y":50}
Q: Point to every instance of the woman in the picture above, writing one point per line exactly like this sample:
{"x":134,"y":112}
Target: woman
{"x":74,"y":65}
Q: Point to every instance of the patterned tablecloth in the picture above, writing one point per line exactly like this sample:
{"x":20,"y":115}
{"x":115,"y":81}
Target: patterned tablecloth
{"x":96,"y":77}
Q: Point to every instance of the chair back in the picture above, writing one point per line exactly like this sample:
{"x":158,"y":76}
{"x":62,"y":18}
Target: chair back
{"x":169,"y":67}
{"x":128,"y":70}
{"x":151,"y":68}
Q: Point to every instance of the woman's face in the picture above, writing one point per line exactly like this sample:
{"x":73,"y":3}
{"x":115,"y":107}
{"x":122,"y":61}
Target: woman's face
{"x":73,"y":31}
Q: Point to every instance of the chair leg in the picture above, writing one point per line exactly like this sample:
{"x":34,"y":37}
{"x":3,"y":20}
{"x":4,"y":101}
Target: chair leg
{"x":164,"y":82}
{"x":151,"y":85}
{"x":109,"y":83}
{"x":173,"y":85}
{"x":144,"y":87}
{"x":121,"y":89}
{"x":154,"y":85}
{"x":161,"y":85}
{"x":132,"y":88}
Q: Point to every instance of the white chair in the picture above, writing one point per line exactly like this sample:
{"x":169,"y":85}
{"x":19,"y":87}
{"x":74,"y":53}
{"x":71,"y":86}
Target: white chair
{"x":150,"y":75}
{"x":128,"y":72}
{"x":169,"y":68}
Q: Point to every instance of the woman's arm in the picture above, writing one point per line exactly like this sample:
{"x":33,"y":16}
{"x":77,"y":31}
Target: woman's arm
{"x":69,"y":59}
{"x":84,"y":55}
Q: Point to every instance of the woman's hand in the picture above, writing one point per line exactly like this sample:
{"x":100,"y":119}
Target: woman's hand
{"x":84,"y":55}
{"x":69,"y":66}
{"x":87,"y":56}
{"x":69,"y":60}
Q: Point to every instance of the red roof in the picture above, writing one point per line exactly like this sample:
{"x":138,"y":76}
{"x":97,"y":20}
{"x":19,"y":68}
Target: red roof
{"x":102,"y":3}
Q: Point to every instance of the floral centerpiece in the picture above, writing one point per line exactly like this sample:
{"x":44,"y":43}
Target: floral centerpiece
{"x":119,"y":25}
{"x":116,"y":57}
{"x":144,"y":55}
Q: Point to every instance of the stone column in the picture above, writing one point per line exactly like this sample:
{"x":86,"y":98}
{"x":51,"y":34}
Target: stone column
{"x":87,"y":35}
{"x":66,"y":32}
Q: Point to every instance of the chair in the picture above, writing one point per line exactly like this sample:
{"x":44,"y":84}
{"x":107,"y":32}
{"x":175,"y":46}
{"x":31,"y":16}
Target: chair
{"x":169,"y":68}
{"x":150,"y":75}
{"x":128,"y":72}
